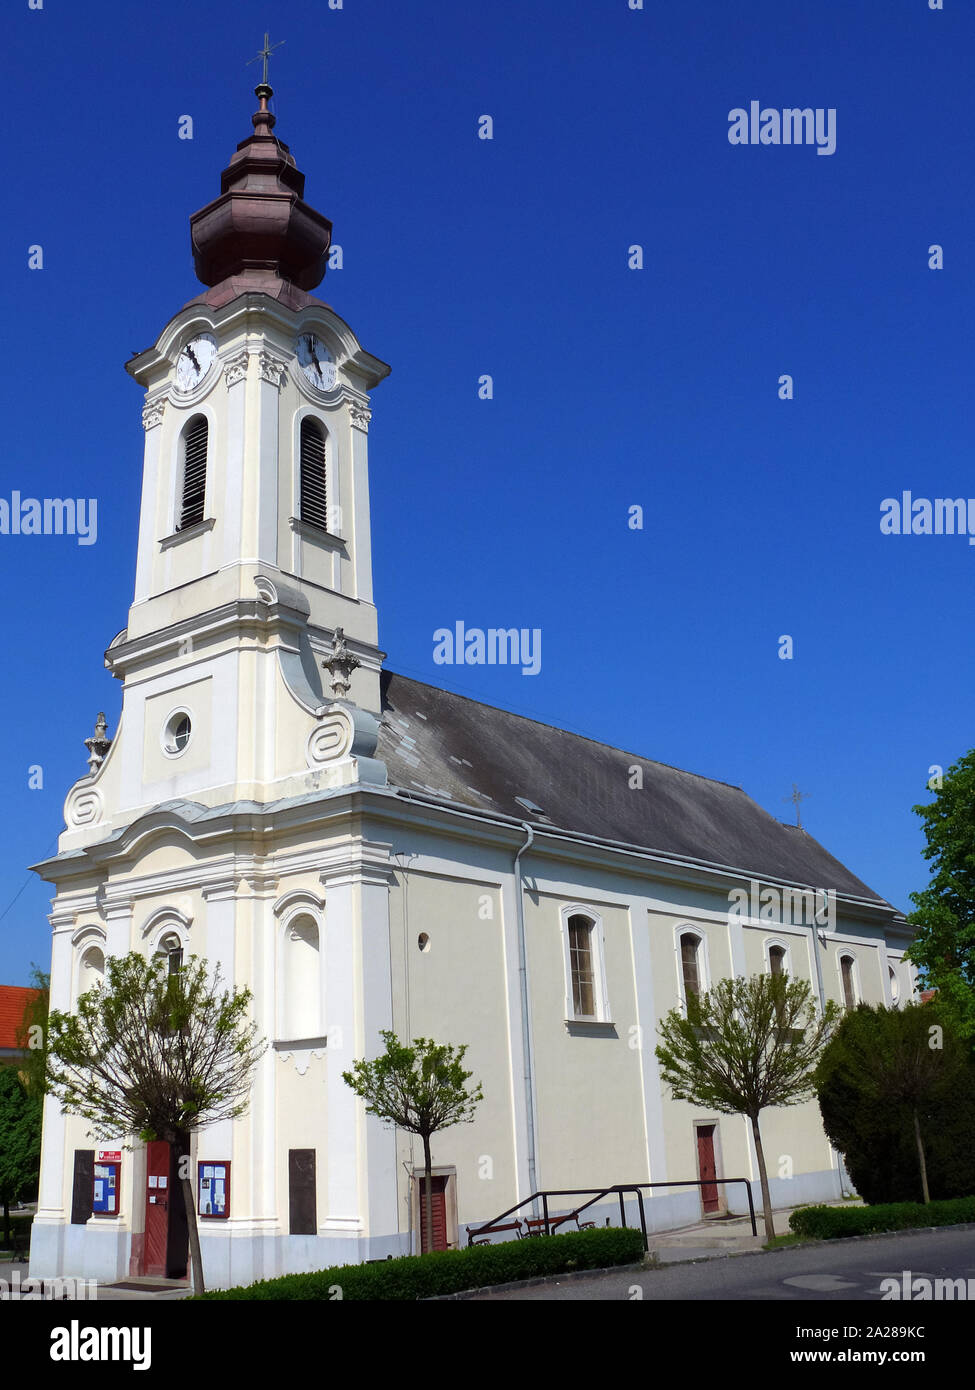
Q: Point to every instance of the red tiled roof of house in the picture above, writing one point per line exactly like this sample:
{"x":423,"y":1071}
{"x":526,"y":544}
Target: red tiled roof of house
{"x":13,"y":1001}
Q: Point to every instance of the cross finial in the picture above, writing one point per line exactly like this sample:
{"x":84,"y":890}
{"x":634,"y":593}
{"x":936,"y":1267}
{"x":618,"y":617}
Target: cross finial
{"x":795,"y":798}
{"x":265,"y":53}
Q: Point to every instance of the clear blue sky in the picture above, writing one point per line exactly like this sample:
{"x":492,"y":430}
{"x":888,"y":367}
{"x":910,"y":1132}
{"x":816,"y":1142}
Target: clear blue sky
{"x":612,"y":386}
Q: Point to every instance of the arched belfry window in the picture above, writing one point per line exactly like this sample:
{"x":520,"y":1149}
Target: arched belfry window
{"x":313,"y":503}
{"x":193,"y":472}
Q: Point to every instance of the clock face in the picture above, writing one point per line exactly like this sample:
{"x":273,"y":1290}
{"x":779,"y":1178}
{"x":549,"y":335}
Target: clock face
{"x":195,"y":360}
{"x":316,"y":362}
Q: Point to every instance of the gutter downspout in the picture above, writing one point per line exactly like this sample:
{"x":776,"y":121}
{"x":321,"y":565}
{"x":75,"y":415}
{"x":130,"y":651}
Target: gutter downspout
{"x":526,"y":1032}
{"x":836,"y":1155}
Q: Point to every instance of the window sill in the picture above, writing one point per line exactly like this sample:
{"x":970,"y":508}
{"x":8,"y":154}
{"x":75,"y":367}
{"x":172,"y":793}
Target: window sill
{"x":311,"y":532}
{"x":590,"y":1028}
{"x":296,"y":1044}
{"x":178,"y":536}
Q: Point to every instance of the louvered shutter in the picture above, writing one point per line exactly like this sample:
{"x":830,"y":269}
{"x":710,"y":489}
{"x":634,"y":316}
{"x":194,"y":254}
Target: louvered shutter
{"x":194,"y":474}
{"x":314,"y":506}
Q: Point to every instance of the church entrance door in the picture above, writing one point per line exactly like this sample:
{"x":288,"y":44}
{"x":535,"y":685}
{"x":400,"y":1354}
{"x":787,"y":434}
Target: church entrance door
{"x":166,"y":1242}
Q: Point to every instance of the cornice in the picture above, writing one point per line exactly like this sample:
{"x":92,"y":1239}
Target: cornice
{"x":253,"y":314}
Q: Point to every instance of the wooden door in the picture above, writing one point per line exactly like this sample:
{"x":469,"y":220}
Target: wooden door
{"x":706,"y":1168}
{"x":158,"y":1197}
{"x":438,"y":1196}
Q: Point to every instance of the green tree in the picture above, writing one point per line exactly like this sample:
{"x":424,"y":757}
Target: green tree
{"x":158,"y":1055}
{"x":893,"y":1083}
{"x":421,"y":1088}
{"x":944,"y":917}
{"x":20,"y":1142}
{"x":745,"y":1045}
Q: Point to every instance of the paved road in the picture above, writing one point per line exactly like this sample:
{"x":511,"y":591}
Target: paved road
{"x":844,"y":1271}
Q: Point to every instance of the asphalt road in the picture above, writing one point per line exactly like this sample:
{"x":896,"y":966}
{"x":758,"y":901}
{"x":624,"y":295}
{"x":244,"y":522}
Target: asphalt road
{"x":843,"y":1271}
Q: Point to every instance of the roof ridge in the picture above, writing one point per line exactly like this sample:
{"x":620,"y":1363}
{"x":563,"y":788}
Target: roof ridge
{"x":559,"y":729}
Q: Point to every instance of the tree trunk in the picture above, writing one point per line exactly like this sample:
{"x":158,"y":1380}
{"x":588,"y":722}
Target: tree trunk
{"x":428,"y":1192}
{"x":196,"y":1257}
{"x":921,"y":1158}
{"x":181,"y":1141}
{"x":763,"y":1175}
{"x":7,"y":1238}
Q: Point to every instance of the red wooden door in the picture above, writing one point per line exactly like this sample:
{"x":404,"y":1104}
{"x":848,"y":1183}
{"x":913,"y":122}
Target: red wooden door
{"x":706,"y":1167}
{"x":158,"y":1198}
{"x":439,"y":1203}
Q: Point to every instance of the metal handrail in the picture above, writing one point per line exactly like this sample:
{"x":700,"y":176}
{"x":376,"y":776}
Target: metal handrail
{"x":596,"y":1195}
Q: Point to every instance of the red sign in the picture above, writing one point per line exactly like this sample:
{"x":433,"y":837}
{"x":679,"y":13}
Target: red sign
{"x":108,"y":1156}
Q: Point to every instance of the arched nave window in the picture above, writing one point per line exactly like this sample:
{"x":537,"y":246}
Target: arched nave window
{"x":895,"y":986}
{"x":848,"y":977}
{"x":776,"y":960}
{"x":690,"y":963}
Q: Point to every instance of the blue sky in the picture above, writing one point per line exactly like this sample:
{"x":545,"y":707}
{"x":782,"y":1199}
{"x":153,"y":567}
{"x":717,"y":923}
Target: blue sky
{"x":612,"y":386}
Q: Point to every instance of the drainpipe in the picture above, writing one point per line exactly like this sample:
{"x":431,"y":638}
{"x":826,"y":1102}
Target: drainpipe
{"x":836,"y":1155}
{"x":526,"y":1035}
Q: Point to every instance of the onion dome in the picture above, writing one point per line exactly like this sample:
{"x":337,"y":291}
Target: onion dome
{"x":260,"y":235}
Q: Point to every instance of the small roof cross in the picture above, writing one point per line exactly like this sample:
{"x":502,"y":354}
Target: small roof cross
{"x":265,"y":53}
{"x":795,"y":798}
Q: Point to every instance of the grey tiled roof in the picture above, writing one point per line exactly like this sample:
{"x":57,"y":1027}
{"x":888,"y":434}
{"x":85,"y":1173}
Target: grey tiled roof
{"x":435,"y":743}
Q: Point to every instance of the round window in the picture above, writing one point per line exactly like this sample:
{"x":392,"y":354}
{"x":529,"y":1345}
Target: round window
{"x":177,"y":733}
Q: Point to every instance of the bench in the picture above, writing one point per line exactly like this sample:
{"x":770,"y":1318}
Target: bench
{"x":480,"y":1235}
{"x":536,"y":1224}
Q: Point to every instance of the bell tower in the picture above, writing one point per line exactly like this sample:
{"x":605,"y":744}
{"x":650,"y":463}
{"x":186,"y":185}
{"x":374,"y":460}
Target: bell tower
{"x":253,"y":608}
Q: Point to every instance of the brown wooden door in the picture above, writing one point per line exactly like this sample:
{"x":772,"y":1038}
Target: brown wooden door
{"x":166,"y":1245}
{"x":706,"y":1168}
{"x":438,"y":1196}
{"x":158,"y":1197}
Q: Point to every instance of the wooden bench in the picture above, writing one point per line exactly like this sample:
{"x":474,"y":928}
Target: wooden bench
{"x":536,"y":1224}
{"x":481,"y":1236}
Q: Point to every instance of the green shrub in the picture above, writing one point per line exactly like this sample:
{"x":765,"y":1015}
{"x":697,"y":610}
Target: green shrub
{"x":875,"y":1131}
{"x":829,"y":1223}
{"x":452,"y":1271}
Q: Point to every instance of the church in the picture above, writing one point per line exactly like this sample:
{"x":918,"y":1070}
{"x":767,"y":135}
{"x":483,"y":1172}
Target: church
{"x":368,"y":852}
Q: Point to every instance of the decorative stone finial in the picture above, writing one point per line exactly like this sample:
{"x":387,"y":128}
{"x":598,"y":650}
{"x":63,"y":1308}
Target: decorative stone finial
{"x":340,"y":663}
{"x":99,"y":744}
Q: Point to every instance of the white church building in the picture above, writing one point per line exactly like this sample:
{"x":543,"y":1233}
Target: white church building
{"x":366,"y":852}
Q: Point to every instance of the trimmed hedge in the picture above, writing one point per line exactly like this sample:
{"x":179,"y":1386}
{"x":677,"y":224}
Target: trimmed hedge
{"x":829,"y":1223}
{"x":452,"y":1271}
